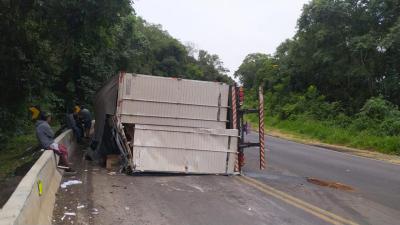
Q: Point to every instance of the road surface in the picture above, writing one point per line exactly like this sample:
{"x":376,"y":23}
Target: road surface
{"x":278,"y":195}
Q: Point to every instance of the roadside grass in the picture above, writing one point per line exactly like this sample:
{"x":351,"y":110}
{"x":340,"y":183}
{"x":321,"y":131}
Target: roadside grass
{"x":20,"y":152}
{"x":308,"y":129}
{"x":16,"y":152}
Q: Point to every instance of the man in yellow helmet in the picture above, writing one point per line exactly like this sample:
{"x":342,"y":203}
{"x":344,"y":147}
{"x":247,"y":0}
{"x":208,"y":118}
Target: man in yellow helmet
{"x":35,"y":110}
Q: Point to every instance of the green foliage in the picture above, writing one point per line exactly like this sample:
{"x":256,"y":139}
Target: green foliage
{"x":248,"y":71}
{"x":338,"y":78}
{"x":331,"y":133}
{"x":59,"y":53}
{"x":349,"y":50}
{"x":390,"y":127}
{"x":15,"y":153}
{"x":309,"y":115}
{"x":378,"y":109}
{"x":310,"y":103}
{"x":378,"y":116}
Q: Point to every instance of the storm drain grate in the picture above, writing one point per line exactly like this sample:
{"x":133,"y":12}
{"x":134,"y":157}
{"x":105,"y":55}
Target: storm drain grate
{"x":330,"y":184}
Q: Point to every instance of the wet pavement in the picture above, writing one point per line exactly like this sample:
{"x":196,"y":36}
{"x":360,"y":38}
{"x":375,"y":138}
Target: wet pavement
{"x":281,"y":194}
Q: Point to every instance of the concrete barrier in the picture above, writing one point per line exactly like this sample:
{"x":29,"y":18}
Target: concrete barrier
{"x":27,"y":205}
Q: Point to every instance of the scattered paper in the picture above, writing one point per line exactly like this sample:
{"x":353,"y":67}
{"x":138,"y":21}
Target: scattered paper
{"x":80,"y":206}
{"x":112,"y":173}
{"x":95,"y":211}
{"x":70,"y":182}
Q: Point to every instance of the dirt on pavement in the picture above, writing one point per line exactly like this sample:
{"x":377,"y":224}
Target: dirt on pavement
{"x":73,"y":203}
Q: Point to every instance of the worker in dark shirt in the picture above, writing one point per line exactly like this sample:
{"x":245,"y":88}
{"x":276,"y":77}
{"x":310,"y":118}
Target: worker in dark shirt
{"x":72,"y":123}
{"x":86,"y":118}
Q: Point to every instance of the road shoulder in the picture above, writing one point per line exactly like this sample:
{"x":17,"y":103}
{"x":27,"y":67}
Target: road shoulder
{"x":393,"y":159}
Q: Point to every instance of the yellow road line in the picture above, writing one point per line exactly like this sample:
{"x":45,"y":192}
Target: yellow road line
{"x":322,"y":217}
{"x":302,"y":202}
{"x":318,"y":212}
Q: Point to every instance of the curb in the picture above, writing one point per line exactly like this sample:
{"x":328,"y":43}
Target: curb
{"x":28,"y":205}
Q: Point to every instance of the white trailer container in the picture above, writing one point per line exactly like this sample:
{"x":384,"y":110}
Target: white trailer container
{"x":183,"y":149}
{"x":172,"y":102}
{"x":172,"y":125}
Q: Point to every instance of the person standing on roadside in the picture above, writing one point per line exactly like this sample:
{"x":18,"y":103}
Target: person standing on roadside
{"x":246,"y":128}
{"x":72,"y":123}
{"x":85,"y":116}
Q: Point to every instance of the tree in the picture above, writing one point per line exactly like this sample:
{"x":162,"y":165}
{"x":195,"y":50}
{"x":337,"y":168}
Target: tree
{"x":247,"y":71}
{"x":348,"y":49}
{"x":58,"y":53}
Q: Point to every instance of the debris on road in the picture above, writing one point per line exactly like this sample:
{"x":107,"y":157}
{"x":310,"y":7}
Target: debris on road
{"x":80,"y":206}
{"x":112,"y":162}
{"x":70,"y":214}
{"x":70,"y":182}
{"x":95,"y":211}
{"x":330,"y":184}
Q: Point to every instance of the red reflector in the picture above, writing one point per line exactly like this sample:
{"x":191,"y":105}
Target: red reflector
{"x":241,"y":95}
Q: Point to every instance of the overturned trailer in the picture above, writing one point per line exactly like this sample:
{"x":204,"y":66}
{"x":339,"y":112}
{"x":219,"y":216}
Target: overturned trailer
{"x":161,"y":124}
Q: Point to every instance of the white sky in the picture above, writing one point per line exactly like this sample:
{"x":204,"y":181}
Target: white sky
{"x":229,"y":28}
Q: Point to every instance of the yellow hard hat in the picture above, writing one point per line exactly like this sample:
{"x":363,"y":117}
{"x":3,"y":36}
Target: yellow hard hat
{"x":77,"y":109}
{"x":35,"y":112}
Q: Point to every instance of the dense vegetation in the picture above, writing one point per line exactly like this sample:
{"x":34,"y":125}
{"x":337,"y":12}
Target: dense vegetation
{"x":338,"y":78}
{"x":56,"y":53}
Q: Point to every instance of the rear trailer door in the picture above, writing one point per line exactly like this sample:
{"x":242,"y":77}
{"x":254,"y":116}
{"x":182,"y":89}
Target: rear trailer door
{"x":184,"y":150}
{"x":177,"y":125}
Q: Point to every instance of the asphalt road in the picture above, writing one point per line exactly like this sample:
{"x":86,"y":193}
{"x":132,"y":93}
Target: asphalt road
{"x":374,"y":180}
{"x":278,"y":195}
{"x":376,"y":184}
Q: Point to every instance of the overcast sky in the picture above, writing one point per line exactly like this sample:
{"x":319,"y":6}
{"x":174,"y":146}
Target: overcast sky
{"x":229,"y":28}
